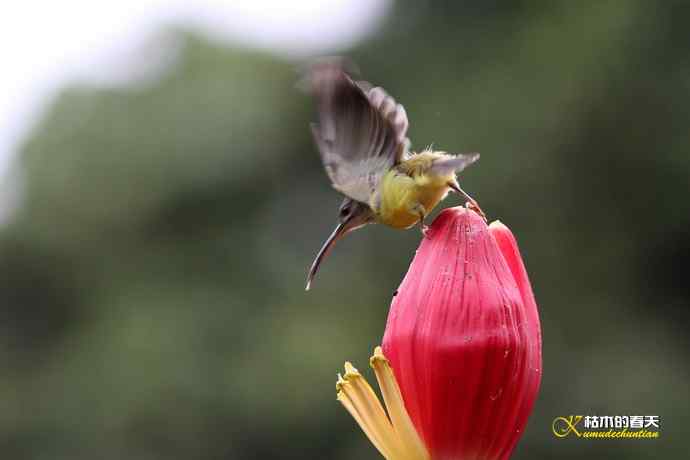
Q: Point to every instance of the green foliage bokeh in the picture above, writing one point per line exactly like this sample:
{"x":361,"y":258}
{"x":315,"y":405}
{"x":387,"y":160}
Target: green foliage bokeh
{"x":153,"y":274}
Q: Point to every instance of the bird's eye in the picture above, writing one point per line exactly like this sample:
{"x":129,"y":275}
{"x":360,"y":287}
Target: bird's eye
{"x":344,"y":212}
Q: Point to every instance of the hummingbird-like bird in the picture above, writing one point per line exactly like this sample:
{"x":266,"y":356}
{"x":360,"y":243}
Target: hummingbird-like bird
{"x":361,"y":135}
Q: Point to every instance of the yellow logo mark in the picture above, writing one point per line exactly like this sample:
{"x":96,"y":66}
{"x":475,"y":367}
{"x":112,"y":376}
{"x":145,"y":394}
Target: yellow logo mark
{"x":563,"y":426}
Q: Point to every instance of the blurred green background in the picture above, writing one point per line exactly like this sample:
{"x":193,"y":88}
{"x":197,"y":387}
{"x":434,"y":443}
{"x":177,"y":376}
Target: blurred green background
{"x":152,"y":277}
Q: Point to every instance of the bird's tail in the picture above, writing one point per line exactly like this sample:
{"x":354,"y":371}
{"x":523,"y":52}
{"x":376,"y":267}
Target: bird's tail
{"x":456,"y":163}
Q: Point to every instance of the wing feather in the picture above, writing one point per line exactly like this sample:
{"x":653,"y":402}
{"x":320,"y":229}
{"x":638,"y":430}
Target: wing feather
{"x":361,"y":131}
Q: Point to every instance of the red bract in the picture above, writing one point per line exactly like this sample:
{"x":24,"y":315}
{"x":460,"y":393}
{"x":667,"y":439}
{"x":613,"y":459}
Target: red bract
{"x":464,"y":341}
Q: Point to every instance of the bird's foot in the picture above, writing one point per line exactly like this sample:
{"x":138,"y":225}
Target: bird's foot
{"x":424,"y":227}
{"x":421,"y":212}
{"x":471,"y":203}
{"x":475,"y":207}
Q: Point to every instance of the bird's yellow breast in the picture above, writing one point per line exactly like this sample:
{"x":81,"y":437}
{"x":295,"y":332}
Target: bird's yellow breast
{"x":409,"y":188}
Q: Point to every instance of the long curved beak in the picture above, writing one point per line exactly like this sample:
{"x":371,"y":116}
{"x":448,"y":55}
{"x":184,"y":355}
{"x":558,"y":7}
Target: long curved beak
{"x":338,"y":233}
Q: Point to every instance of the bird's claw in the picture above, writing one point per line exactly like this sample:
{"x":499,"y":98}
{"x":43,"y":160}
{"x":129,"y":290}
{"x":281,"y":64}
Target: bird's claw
{"x":475,"y":207}
{"x":470,"y":202}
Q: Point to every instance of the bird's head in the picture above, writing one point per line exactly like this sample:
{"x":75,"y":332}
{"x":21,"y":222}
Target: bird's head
{"x":352,"y":215}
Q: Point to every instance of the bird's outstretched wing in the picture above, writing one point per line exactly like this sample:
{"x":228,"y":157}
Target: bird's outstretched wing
{"x":361,"y":131}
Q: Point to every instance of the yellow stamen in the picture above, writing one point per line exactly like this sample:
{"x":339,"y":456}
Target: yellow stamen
{"x":396,"y":407}
{"x":360,"y":400}
{"x":396,"y":437}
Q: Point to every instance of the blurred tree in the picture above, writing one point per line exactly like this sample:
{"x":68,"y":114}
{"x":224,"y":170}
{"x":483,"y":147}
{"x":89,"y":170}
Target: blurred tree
{"x":152,"y":277}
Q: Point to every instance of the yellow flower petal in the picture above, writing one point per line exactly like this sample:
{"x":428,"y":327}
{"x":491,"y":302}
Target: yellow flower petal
{"x":396,"y":437}
{"x":407,"y":433}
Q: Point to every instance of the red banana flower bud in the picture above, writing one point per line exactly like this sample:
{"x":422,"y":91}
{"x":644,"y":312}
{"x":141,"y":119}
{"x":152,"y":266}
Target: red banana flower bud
{"x":463,"y":341}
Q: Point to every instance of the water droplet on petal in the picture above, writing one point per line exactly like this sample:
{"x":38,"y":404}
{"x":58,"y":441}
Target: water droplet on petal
{"x":496,"y":395}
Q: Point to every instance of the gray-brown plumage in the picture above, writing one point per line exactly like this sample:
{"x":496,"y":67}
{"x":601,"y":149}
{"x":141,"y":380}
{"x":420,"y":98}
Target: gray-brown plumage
{"x":361,"y":134}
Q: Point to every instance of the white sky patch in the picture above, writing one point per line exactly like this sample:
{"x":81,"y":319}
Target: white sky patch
{"x":45,"y":45}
